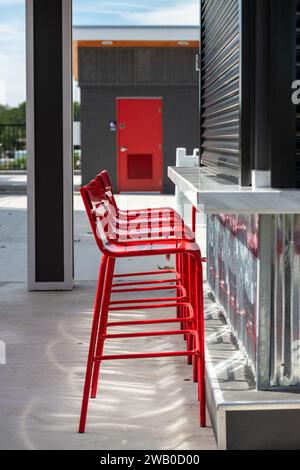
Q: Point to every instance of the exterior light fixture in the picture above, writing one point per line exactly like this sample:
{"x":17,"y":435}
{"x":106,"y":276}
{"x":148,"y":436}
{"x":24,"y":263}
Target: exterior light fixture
{"x":183,"y":43}
{"x":106,"y":43}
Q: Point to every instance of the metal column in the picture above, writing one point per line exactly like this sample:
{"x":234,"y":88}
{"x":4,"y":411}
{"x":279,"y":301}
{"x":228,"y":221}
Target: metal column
{"x":49,"y":144}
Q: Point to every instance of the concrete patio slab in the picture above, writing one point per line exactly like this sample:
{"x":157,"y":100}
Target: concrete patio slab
{"x":141,"y":404}
{"x":15,"y":182}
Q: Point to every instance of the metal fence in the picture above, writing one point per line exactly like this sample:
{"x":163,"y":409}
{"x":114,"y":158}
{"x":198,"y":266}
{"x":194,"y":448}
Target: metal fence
{"x":13,"y":154}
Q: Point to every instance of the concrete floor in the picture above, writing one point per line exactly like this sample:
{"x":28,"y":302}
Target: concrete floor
{"x":15,"y":182}
{"x":141,"y":404}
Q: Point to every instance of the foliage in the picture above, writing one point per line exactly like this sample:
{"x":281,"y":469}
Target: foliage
{"x":15,"y":164}
{"x":13,"y":137}
{"x":76,"y":111}
{"x":77,"y":159}
{"x":15,"y":116}
{"x":20,"y":163}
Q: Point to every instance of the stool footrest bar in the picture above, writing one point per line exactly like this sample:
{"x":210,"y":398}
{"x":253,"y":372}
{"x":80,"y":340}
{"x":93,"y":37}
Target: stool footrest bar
{"x":151,"y":322}
{"x":150,"y":333}
{"x":150,"y":273}
{"x":146,"y":306}
{"x":141,"y":301}
{"x":144,"y":289}
{"x":146,"y":355}
{"x":150,"y":281}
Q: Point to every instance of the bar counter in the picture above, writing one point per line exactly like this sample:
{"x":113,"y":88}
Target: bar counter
{"x":253,"y":277}
{"x":217,"y":195}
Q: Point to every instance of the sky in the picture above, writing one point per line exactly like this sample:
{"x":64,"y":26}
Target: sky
{"x":85,"y":12}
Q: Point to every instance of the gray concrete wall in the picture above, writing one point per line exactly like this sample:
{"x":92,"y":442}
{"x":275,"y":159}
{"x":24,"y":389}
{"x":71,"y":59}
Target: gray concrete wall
{"x":98,"y":107}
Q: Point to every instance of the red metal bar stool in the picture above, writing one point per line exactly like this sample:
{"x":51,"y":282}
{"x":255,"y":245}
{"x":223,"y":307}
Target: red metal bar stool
{"x":182,"y":293}
{"x":125,"y":232}
{"x":149,"y":223}
{"x":193,"y":318}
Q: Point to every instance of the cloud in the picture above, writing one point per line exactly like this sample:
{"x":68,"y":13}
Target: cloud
{"x":100,"y":7}
{"x":178,"y":14}
{"x":9,"y":30}
{"x":13,"y":79}
{"x":12,"y":51}
{"x":11,"y":2}
{"x":118,"y":12}
{"x":96,"y":12}
{"x":148,"y":12}
{"x":12,"y":61}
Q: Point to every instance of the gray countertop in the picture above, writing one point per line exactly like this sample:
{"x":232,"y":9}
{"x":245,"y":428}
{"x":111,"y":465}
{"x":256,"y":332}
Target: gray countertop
{"x":214,"y":195}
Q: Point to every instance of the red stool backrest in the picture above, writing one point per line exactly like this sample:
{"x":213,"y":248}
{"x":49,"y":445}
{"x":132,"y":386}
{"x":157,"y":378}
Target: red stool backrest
{"x":97,"y":212}
{"x":106,"y":179}
{"x":108,"y":188}
{"x":108,"y":199}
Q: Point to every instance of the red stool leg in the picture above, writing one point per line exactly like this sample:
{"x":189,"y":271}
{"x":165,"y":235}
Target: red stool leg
{"x":190,"y":292}
{"x":201,"y":359}
{"x":195,"y":368}
{"x":195,"y":304}
{"x":188,"y":277}
{"x":177,"y":268}
{"x":181,"y":272}
{"x":194,"y":216}
{"x":201,"y":395}
{"x":185,"y":283}
{"x":103,"y":324}
{"x":201,"y":391}
{"x":190,"y":325}
{"x":193,"y":284}
{"x":90,"y":361}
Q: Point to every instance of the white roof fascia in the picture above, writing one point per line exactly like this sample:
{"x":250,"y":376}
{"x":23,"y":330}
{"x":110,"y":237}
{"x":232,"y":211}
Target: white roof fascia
{"x":137,"y":33}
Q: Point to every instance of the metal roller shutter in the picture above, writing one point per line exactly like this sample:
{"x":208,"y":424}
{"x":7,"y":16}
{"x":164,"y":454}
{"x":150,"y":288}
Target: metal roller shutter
{"x":220,"y":86}
{"x":298,"y":107}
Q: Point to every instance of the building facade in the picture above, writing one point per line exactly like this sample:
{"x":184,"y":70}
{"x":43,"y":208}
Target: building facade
{"x":136,"y":63}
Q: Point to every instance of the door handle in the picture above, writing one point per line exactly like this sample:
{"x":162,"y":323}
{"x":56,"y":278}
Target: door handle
{"x":123,"y":149}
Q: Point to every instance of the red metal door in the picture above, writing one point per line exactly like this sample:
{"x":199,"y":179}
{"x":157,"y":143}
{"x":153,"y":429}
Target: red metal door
{"x":139,"y":144}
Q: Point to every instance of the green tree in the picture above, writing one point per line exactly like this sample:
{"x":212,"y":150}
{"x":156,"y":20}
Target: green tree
{"x":17,"y":115}
{"x":12,"y":138}
{"x":13,"y":115}
{"x":76,"y":111}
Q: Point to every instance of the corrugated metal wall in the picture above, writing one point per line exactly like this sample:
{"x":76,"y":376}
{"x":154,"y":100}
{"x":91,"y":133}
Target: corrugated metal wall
{"x":137,"y":66}
{"x":285,"y":357}
{"x":232,"y":267}
{"x":236,"y":263}
{"x":220,"y":85}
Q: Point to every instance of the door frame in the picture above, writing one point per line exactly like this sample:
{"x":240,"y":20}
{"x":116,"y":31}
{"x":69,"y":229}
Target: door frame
{"x":117,"y":145}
